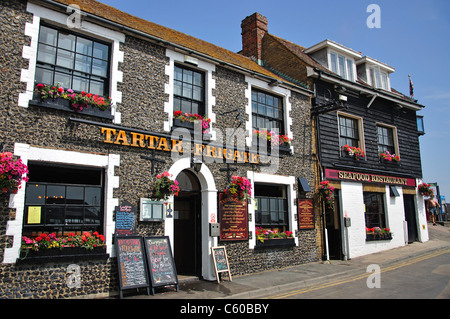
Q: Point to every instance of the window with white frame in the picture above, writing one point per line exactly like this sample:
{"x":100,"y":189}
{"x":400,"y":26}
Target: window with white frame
{"x":74,"y":61}
{"x":379,"y":78}
{"x":342,"y":65}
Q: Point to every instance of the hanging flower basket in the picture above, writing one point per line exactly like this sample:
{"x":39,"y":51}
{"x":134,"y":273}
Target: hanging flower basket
{"x":12,"y":173}
{"x":165,"y":187}
{"x":240,"y":188}
{"x":326,"y":194}
{"x":426,"y":190}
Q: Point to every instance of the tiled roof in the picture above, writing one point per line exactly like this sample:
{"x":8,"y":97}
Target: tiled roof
{"x":166,"y":34}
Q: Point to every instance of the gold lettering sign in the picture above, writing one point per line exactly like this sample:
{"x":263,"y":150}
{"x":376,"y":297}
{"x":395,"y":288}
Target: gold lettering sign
{"x":141,"y":140}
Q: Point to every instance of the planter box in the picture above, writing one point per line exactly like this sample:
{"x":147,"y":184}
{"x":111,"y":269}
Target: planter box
{"x":65,"y":105}
{"x":374,"y":237}
{"x":283,"y":148}
{"x":62,"y":255}
{"x":185,"y":124}
{"x":275,"y":243}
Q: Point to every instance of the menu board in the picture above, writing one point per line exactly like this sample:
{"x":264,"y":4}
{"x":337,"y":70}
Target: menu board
{"x":220,"y":260}
{"x":131,"y":262}
{"x":125,"y":219}
{"x":161,"y":264}
{"x":233,"y":219}
{"x":305,"y":214}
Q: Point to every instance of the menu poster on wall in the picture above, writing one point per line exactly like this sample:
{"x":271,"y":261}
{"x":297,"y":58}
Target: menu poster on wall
{"x":233,"y":219}
{"x":125,"y":219}
{"x":305,"y":214}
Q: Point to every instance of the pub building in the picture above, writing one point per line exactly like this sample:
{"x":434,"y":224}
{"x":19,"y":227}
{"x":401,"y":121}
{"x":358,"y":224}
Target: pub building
{"x":92,"y":102}
{"x":367,"y":143}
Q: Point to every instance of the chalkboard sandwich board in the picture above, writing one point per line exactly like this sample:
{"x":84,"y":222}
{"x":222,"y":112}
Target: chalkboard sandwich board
{"x":131,"y":263}
{"x":220,"y":259}
{"x":160,"y":262}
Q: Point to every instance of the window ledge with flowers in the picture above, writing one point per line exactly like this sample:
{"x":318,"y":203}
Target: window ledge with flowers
{"x":273,"y":140}
{"x":187,"y":120}
{"x":58,"y":98}
{"x":377,"y":233}
{"x":273,"y":238}
{"x":353,"y":152}
{"x":389,"y":158}
{"x":50,"y":247}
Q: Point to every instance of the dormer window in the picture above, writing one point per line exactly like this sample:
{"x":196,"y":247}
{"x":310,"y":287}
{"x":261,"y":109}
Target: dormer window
{"x":342,"y":65}
{"x":379,"y":79}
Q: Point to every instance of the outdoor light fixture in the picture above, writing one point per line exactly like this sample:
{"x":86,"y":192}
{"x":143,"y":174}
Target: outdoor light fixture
{"x":196,"y":164}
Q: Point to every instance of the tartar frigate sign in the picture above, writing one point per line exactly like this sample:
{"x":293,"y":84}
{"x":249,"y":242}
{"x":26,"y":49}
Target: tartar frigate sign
{"x":159,"y":143}
{"x":368,"y":178}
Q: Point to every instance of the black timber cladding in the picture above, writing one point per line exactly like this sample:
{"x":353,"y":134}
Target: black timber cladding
{"x":380,"y":111}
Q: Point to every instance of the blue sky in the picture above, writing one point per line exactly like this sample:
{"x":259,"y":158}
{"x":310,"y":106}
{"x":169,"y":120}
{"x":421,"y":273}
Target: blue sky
{"x":414,"y":38}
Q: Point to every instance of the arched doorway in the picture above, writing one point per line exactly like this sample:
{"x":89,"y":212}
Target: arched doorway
{"x":187,"y":225}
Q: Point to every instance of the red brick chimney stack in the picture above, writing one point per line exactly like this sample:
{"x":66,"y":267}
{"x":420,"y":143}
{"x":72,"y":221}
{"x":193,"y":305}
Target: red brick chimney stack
{"x":253,"y":29}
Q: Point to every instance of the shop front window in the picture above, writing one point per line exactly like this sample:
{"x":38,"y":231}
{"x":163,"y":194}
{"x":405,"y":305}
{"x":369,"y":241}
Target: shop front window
{"x":375,"y":213}
{"x":272,"y":210}
{"x":63,"y":200}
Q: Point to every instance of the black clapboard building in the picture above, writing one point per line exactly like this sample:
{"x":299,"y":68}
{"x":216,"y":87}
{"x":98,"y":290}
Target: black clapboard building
{"x":367,"y":141}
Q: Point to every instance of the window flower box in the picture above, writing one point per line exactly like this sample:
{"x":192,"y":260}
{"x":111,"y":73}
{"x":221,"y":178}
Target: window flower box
{"x":354,"y":152}
{"x":275,"y":243}
{"x":389,"y":158}
{"x":61,"y":255}
{"x":377,"y":233}
{"x":58,"y":98}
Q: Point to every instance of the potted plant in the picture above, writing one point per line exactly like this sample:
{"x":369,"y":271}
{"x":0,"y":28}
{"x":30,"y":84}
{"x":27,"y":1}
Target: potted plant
{"x":388,"y":157}
{"x":377,"y":233}
{"x":12,"y":173}
{"x":50,"y":245}
{"x":425,"y":190}
{"x":190,"y":118}
{"x":55,"y":96}
{"x":165,"y":187}
{"x":240,"y":188}
{"x":326,"y":194}
{"x":354,"y":152}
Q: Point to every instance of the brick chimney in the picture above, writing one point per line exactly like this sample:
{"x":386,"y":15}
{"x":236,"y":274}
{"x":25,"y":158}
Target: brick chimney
{"x":254,"y":28}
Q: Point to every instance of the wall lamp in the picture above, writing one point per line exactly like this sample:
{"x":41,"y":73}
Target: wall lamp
{"x":196,"y":164}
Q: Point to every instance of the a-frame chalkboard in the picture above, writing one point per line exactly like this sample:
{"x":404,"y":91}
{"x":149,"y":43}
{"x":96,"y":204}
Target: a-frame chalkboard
{"x":131,"y":263}
{"x":220,"y":260}
{"x":160,"y":262}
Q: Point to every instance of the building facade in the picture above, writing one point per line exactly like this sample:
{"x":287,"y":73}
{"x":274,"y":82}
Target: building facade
{"x":367,"y":142}
{"x":84,"y":160}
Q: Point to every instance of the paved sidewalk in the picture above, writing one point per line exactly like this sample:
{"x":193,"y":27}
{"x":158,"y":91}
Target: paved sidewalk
{"x":296,"y":277}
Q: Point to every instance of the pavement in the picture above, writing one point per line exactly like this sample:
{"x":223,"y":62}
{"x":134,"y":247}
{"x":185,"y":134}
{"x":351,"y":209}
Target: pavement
{"x":270,"y":283}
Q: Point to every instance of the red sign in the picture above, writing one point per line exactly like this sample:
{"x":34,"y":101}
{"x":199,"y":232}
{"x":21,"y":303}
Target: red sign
{"x":368,"y":178}
{"x":233,"y":218}
{"x":305,"y":214}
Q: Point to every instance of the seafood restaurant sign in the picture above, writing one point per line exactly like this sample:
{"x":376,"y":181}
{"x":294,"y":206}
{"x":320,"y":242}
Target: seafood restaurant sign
{"x":368,"y":178}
